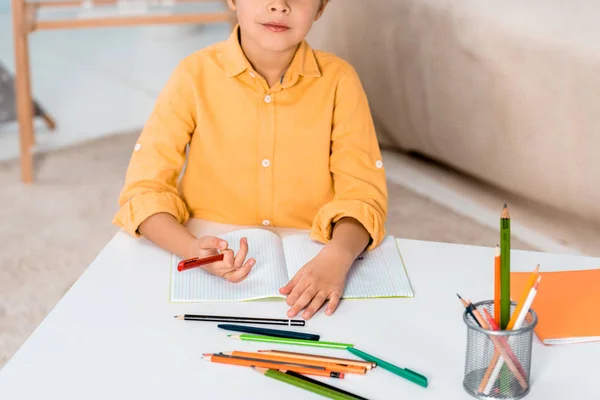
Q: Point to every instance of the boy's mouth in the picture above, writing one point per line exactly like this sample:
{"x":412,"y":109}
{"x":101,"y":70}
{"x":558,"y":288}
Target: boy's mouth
{"x":276,"y":26}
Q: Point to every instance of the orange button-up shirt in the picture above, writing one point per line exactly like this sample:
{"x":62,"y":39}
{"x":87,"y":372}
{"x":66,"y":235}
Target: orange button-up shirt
{"x":301,"y":154}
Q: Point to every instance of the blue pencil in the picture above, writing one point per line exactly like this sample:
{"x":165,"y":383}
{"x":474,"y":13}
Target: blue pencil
{"x":270,"y":332}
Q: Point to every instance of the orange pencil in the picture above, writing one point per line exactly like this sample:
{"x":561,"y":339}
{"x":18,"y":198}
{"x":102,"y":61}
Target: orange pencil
{"x":532,"y":278}
{"x":333,"y":360}
{"x":497,"y":280}
{"x":351,"y":369}
{"x":317,"y":371}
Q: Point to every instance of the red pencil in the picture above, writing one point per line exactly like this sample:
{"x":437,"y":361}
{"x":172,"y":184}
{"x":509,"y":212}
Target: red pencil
{"x":197,"y":262}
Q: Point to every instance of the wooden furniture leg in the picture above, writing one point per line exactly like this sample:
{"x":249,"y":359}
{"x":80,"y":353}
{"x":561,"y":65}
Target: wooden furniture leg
{"x":24,"y":103}
{"x":49,"y":121}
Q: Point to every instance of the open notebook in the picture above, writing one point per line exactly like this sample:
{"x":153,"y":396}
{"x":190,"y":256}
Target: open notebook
{"x":377,"y":273}
{"x":567,"y":305}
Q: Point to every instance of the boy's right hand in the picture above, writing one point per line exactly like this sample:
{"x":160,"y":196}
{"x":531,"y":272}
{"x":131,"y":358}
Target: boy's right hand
{"x":232,"y":267}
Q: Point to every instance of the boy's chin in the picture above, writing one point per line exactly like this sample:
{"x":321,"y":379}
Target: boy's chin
{"x":279,"y":45}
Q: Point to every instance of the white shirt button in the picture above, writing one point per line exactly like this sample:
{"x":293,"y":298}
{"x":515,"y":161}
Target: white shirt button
{"x":267,"y":99}
{"x":266,"y":163}
{"x":379,"y":164}
{"x":137,"y":147}
{"x":266,"y":222}
{"x":252,"y":74}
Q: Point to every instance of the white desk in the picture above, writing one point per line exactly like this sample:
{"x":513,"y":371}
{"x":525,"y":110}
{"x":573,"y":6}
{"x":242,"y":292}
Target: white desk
{"x":113,"y":335}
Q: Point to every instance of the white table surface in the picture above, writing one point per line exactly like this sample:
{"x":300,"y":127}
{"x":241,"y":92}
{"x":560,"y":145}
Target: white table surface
{"x":113,"y":335}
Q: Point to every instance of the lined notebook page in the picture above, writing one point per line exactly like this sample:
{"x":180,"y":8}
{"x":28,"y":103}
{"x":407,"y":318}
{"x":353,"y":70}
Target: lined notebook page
{"x":265,"y":279}
{"x":380,"y":273}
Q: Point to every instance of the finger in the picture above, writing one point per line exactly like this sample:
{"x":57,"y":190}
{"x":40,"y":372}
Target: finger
{"x":241,"y":255}
{"x":334,"y":300}
{"x":293,"y":297}
{"x":228,"y":258}
{"x":287,"y":289}
{"x":315,"y":304}
{"x":238,"y":275}
{"x":224,"y":266}
{"x":212,"y":242}
{"x":302,"y":302}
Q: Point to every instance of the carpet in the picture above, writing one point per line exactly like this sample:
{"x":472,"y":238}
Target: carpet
{"x":53,"y":229}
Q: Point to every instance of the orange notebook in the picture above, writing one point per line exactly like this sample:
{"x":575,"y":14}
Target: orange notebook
{"x":567,"y":305}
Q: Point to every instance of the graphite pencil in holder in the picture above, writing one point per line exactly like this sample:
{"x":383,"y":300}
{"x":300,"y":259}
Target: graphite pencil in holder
{"x":498,"y":363}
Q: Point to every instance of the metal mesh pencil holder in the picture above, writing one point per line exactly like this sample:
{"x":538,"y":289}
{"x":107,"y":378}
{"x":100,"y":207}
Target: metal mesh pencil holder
{"x":498,"y":363}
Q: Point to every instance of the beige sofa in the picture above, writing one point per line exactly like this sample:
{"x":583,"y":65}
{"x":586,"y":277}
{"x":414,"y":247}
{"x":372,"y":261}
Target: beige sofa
{"x":508,"y":91}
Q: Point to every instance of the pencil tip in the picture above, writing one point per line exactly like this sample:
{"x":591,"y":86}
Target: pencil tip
{"x":459,"y":296}
{"x":505,"y":206}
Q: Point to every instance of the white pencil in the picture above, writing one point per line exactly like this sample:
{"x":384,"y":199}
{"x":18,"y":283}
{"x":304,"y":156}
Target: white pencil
{"x":518,"y":324}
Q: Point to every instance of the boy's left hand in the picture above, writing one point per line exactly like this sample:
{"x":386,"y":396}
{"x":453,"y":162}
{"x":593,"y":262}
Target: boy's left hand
{"x":322,"y":278}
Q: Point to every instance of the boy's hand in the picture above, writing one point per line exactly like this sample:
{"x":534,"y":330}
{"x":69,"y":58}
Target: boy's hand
{"x":232,"y":267}
{"x":323,"y":278}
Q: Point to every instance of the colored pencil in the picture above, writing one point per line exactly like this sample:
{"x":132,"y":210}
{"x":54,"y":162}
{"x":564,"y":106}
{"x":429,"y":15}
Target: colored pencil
{"x":299,"y":342}
{"x":497,"y":285}
{"x":196,"y":262}
{"x":493,"y":370}
{"x":316,"y":382}
{"x":243,"y":320}
{"x":495,"y":327}
{"x":498,"y":346}
{"x":351,"y":369}
{"x":317,"y":371}
{"x":504,"y":267}
{"x":469,"y":308}
{"x":333,"y":360}
{"x":269,"y":332}
{"x":300,"y":383}
{"x":533,"y":278}
{"x":405,"y":373}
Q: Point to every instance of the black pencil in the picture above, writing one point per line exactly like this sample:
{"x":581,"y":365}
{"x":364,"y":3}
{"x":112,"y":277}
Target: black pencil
{"x":246,"y":320}
{"x":269,"y":332}
{"x":316,"y":382}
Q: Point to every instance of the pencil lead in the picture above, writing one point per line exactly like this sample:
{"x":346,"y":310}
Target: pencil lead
{"x":459,"y":296}
{"x":505,"y":206}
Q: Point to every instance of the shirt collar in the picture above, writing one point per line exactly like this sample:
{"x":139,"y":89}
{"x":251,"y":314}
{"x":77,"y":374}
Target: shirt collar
{"x":304,"y":62}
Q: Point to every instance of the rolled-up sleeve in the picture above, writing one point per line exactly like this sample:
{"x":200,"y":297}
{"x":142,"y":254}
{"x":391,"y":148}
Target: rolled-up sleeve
{"x":151,"y":183}
{"x":356,"y":166}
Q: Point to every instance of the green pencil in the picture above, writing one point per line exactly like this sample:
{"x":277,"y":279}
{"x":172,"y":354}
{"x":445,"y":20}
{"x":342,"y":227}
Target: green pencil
{"x":299,"y":342}
{"x":504,"y":268}
{"x":504,"y":286}
{"x":292,"y":380}
{"x":406,"y":373}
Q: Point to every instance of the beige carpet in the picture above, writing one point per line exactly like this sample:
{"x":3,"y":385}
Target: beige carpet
{"x":51,"y":230}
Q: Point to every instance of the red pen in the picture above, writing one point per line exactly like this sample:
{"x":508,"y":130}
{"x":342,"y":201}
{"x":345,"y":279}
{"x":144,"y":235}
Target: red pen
{"x":197,"y":262}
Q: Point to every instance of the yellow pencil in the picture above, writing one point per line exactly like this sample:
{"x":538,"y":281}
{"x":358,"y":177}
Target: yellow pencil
{"x":532,"y":278}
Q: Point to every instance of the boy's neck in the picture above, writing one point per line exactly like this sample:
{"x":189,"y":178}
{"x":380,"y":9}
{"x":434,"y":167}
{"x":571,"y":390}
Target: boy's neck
{"x":269,"y":64}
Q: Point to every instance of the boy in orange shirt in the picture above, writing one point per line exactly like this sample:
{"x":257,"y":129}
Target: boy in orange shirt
{"x":277,"y":134}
